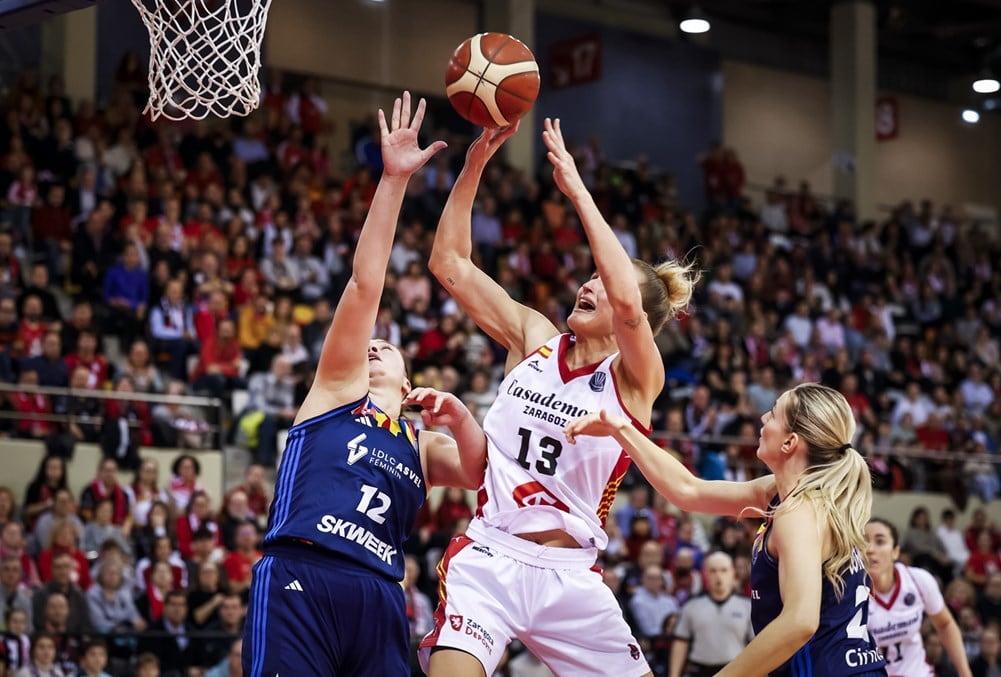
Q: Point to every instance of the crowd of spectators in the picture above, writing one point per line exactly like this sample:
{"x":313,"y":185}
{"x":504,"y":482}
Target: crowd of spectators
{"x":206,"y":258}
{"x":145,"y":578}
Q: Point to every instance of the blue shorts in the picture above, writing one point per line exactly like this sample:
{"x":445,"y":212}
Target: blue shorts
{"x":313,"y":613}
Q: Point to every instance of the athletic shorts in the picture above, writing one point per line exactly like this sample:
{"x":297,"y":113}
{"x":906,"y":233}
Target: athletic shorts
{"x":495,"y":587}
{"x":314,"y":613}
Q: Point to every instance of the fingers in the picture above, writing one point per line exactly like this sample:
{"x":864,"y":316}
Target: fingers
{"x":434,"y":148}
{"x":383,"y":130}
{"x":502,"y":134}
{"x":405,"y":111}
{"x":397,"y":105}
{"x":418,"y":119}
{"x":418,"y":394}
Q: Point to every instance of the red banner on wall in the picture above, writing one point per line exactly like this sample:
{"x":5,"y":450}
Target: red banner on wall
{"x":887,"y":118}
{"x":575,"y":62}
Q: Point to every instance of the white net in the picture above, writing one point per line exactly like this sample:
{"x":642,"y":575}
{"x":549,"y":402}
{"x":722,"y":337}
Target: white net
{"x":204,"y":56}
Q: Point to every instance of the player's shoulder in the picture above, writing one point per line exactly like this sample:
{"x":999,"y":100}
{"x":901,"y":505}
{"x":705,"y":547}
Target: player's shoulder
{"x":921,"y":577}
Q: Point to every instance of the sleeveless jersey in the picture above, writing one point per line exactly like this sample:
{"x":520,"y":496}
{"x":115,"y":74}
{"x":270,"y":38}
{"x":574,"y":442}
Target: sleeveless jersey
{"x":895,"y":621}
{"x":841,"y":646}
{"x":536,"y":480}
{"x":350,"y":481}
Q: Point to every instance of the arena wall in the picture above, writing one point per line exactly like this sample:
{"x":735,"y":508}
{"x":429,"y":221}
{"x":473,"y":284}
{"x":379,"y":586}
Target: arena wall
{"x":22,"y":457}
{"x":779,"y":123}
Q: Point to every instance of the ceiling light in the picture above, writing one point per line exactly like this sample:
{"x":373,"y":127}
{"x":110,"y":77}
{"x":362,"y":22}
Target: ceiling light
{"x":695,"y":21}
{"x":986,"y":84}
{"x":971,"y":116}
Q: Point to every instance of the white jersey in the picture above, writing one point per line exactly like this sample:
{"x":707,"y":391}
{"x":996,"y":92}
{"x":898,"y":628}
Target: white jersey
{"x":536,"y":480}
{"x":895,"y":621}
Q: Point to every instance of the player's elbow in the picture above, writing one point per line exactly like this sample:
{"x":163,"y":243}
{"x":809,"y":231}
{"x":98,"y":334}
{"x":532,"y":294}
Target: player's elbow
{"x":443,"y":261}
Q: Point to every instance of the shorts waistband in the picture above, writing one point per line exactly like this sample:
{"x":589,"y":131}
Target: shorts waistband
{"x":531,"y":553}
{"x":306,"y":551}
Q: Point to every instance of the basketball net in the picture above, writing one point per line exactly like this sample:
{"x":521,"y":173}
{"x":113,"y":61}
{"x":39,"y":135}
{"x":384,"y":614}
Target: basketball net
{"x":204,"y":56}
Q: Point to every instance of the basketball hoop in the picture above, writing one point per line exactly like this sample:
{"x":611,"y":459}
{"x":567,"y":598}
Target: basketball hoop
{"x":204,"y":56}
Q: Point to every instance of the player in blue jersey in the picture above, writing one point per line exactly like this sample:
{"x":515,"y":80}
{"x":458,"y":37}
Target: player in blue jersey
{"x":810,"y":590}
{"x":325,"y":598}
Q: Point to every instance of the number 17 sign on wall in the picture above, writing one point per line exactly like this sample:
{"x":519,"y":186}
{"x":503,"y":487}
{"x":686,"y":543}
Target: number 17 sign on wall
{"x":574,"y":62}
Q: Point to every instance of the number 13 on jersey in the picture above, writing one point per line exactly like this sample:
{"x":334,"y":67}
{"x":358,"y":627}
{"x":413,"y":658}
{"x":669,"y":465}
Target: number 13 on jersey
{"x":548,"y":449}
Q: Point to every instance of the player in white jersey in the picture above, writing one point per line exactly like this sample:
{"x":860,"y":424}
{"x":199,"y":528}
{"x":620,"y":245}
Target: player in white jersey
{"x":523,"y":568}
{"x":901,"y":596}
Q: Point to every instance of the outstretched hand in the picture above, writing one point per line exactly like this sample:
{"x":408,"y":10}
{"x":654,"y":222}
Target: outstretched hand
{"x":489,"y":142}
{"x":439,"y":408}
{"x":564,"y":166}
{"x":401,"y":153}
{"x":601,"y":424}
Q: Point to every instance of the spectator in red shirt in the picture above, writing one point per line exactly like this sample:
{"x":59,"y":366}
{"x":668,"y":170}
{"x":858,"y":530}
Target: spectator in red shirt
{"x":62,"y":539}
{"x":218,"y":369}
{"x":206,"y":174}
{"x":32,"y":329}
{"x":292,"y":151}
{"x":453,"y":508}
{"x":30,"y":405}
{"x":983,"y":561}
{"x":240,"y":562}
{"x":86,"y":356}
{"x":255,"y":488}
{"x":209,"y":314}
{"x":52,"y":227}
{"x":978,"y":523}
{"x":197,"y":515}
{"x":202,"y":233}
{"x":105,"y":486}
{"x":732,"y":178}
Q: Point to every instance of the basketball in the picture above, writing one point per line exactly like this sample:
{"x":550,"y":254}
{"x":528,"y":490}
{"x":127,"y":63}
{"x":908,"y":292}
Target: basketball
{"x":492,"y":79}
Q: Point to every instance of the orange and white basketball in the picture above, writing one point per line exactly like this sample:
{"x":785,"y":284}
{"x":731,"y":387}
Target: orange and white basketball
{"x":492,"y":79}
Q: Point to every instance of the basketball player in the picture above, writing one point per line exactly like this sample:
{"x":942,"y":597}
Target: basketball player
{"x":523,"y":568}
{"x":325,"y":598}
{"x":809,"y":587}
{"x":901,"y":596}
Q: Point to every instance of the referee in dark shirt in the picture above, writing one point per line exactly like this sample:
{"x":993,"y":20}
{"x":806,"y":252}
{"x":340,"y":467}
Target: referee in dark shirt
{"x":712,"y":627}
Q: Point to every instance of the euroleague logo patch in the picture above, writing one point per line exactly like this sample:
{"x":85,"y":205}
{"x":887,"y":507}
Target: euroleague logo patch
{"x":597,"y":382}
{"x":909,"y":599}
{"x":634,"y":651}
{"x":456,"y":621}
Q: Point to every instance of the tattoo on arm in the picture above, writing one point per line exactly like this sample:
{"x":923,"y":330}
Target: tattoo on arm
{"x":451,"y":281}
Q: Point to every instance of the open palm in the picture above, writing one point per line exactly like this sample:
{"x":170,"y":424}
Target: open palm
{"x":401,"y":153}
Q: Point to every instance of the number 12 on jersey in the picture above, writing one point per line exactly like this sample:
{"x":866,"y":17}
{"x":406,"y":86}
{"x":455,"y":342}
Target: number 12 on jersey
{"x":375,"y":513}
{"x":548,"y":448}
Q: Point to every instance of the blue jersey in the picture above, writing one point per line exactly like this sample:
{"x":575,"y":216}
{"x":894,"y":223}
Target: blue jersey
{"x":350,"y":481}
{"x":841,"y":646}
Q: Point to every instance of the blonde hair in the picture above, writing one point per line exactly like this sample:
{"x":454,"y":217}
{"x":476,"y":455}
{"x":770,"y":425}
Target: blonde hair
{"x":837,"y":480}
{"x":666,"y":289}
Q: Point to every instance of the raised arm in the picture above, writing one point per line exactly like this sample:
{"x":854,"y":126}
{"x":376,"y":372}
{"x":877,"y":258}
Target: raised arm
{"x":518,"y":328}
{"x":641,"y":361}
{"x":669,"y":476}
{"x":343,"y":366}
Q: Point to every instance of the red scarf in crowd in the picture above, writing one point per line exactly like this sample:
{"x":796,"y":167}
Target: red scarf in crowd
{"x":117,"y":495}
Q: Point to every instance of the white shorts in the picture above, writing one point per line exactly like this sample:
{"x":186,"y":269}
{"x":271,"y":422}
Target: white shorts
{"x":495,"y":587}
